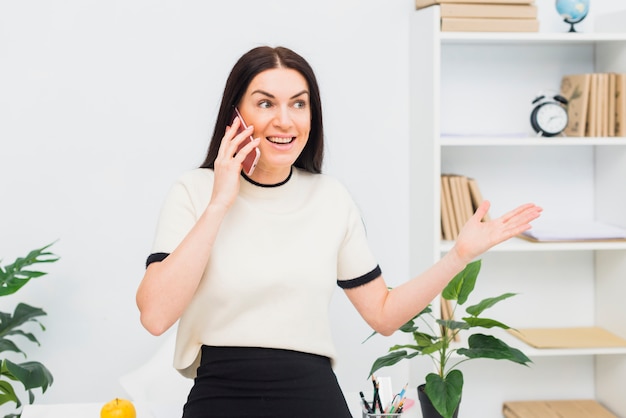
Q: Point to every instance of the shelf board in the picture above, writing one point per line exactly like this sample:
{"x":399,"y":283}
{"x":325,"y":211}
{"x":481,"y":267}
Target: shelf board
{"x":546,"y":352}
{"x":507,"y":141}
{"x":528,"y":37}
{"x":521,"y":245}
{"x":551,"y":352}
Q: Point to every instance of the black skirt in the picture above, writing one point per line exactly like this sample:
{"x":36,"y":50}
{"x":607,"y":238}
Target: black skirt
{"x":264,"y":382}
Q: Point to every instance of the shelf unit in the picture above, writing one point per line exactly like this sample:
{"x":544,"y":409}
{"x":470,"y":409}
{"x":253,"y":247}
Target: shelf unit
{"x":471,"y":99}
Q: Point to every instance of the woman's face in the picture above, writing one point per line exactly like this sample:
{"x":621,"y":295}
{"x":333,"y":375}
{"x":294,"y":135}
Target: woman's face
{"x":277,"y":104}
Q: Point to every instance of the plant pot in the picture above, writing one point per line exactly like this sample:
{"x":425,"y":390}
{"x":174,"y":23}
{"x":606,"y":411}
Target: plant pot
{"x":428,"y":410}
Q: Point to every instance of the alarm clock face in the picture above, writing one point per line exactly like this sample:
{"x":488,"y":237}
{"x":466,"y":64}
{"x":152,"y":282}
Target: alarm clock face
{"x":549,"y":118}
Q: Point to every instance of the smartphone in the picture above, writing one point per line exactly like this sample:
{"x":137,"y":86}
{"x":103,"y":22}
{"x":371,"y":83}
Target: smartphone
{"x":251,"y":160}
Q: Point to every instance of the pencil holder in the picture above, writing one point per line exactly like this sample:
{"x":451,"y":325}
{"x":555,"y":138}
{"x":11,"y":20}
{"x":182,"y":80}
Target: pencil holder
{"x":380,"y":415}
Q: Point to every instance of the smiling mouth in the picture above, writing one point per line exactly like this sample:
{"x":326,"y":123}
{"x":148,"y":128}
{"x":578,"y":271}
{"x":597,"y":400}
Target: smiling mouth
{"x":281,"y":140}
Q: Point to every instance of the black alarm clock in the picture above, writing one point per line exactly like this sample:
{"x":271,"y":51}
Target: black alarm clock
{"x":549,"y":115}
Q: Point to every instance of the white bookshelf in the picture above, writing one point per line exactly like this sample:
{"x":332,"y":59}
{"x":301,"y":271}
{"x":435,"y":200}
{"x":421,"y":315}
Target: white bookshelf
{"x":470,"y":107}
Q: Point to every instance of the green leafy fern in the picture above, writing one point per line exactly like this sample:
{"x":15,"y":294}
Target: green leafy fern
{"x":30,"y":374}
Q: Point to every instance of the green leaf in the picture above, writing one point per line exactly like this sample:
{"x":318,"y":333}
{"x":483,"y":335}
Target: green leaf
{"x":14,"y":276}
{"x":31,"y":374}
{"x":403,"y":346}
{"x":462,"y":284}
{"x":409,"y":326}
{"x":429,"y":349}
{"x":476,"y":310}
{"x":451,"y":324}
{"x":8,"y":345}
{"x":485,"y":323}
{"x":7,"y":394}
{"x":390,"y":359}
{"x":31,"y":274}
{"x":445,"y":393}
{"x":29,"y":336}
{"x":423,"y":339}
{"x":488,"y":346}
{"x":22,"y":314}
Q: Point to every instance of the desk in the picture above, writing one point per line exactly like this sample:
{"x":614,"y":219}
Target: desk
{"x":150,"y":410}
{"x":92,"y":410}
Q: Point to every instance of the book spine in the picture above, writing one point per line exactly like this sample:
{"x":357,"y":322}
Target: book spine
{"x":489,"y":25}
{"x":611,"y":104}
{"x":620,"y":104}
{"x":501,"y":11}
{"x":591,"y":129}
{"x":420,"y":4}
{"x":447,"y":198}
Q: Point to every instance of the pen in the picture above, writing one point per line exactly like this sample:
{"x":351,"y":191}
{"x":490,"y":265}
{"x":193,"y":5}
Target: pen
{"x":365,"y":403}
{"x":375,"y":393}
{"x":403,"y":391}
{"x":375,"y":401}
{"x":391,"y":405}
{"x":377,"y":396}
{"x":400,"y":406}
{"x":395,"y":405}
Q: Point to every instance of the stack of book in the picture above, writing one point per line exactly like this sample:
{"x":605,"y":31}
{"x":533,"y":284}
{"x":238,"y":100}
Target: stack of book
{"x":460,"y":197}
{"x":571,"y":408}
{"x":597,"y":104}
{"x":485,"y":15}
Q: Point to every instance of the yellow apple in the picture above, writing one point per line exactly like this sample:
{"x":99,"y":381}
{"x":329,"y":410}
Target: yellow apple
{"x":118,"y":408}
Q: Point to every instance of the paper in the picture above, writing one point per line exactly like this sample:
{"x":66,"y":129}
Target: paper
{"x":582,"y":337}
{"x":574,"y":231}
{"x":583,"y":408}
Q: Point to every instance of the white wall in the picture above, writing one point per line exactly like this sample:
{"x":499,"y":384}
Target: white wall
{"x":104,"y":103}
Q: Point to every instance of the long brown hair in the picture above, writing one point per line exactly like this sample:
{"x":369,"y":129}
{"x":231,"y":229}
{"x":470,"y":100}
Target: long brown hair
{"x":247,"y":67}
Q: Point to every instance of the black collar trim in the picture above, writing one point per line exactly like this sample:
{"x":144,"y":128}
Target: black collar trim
{"x":249,"y":180}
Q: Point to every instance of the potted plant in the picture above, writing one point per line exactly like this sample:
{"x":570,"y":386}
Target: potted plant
{"x":443,"y":389}
{"x":31,"y":374}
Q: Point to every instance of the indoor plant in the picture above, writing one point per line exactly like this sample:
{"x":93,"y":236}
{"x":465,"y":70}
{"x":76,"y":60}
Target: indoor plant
{"x":444,"y":387}
{"x":31,"y":374}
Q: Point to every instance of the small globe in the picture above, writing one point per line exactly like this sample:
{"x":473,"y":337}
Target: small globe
{"x":572,"y":11}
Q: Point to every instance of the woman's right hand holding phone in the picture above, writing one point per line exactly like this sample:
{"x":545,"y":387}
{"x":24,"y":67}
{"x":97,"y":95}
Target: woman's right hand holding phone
{"x":227,"y":166}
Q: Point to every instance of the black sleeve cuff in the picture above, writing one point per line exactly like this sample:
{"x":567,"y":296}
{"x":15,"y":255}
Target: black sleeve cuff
{"x":154,"y":257}
{"x":360,"y":281}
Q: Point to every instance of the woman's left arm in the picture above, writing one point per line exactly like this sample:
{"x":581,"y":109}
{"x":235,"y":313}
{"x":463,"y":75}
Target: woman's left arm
{"x":387,"y":310}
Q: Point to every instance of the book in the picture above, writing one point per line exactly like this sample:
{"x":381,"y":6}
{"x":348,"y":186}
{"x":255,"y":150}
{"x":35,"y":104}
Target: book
{"x":513,"y":11}
{"x":620,"y":104}
{"x":592,"y":107}
{"x":446,"y":219}
{"x":466,"y":198}
{"x":447,"y":195}
{"x":603,"y":100}
{"x":420,"y":4}
{"x":611,"y":104}
{"x":460,"y":197}
{"x":575,"y":88}
{"x":461,"y":24}
{"x":457,"y":201}
{"x":477,"y":197}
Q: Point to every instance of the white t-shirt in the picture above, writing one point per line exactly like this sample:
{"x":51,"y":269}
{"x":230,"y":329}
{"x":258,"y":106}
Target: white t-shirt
{"x":278,"y":257}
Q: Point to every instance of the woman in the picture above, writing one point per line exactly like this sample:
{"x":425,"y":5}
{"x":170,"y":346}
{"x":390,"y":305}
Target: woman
{"x":249,"y":263}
